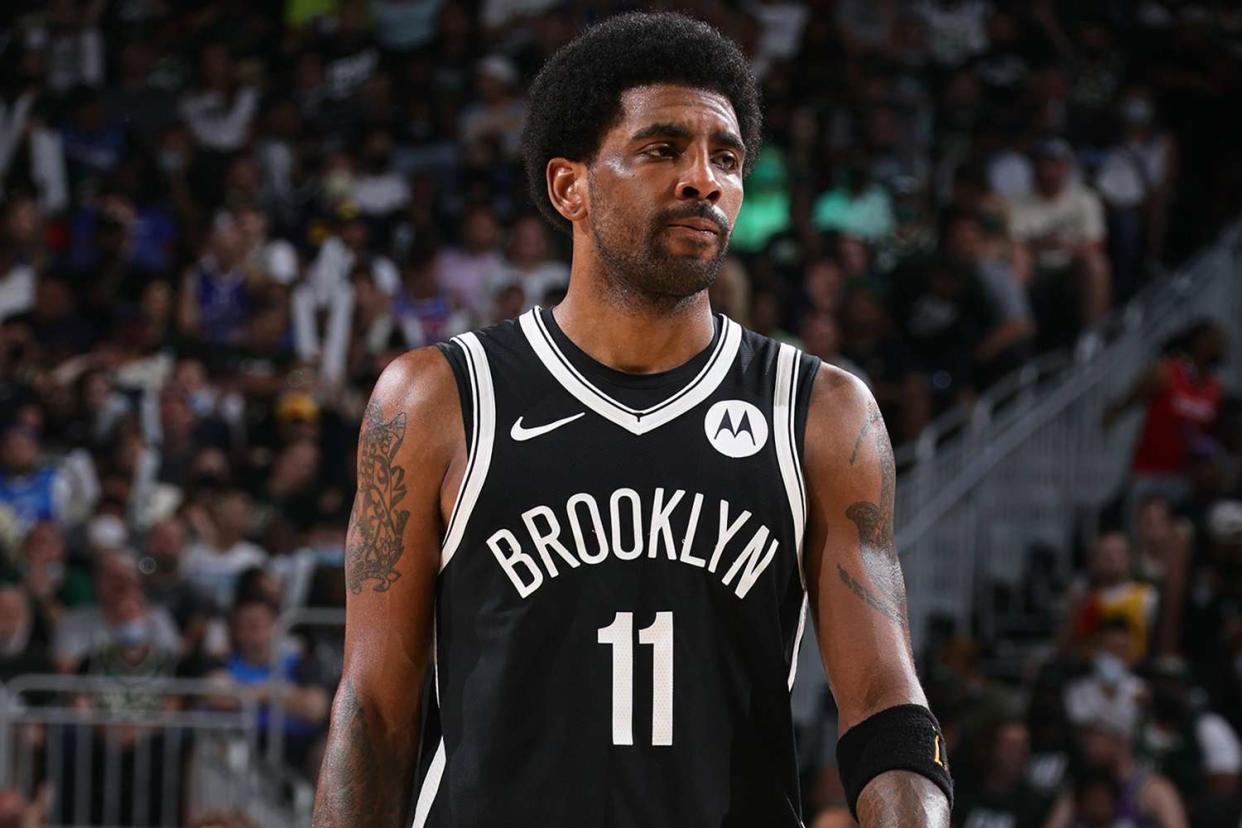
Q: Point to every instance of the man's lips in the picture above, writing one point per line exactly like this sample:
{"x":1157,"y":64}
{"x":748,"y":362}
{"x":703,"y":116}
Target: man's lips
{"x":702,"y":225}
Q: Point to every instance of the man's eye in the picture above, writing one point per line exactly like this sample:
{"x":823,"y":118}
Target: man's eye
{"x":659,"y":151}
{"x":728,"y":161}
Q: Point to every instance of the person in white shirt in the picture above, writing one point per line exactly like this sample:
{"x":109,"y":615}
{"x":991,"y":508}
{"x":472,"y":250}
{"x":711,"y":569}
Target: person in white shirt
{"x":1063,"y":223}
{"x":219,"y":111}
{"x":1135,"y":180}
{"x":328,"y":289}
{"x":221,"y":552}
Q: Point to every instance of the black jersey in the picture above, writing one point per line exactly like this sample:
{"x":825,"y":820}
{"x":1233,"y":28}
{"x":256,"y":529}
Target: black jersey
{"x":620,"y":597}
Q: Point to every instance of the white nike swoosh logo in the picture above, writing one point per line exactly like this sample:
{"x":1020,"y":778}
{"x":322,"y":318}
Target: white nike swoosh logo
{"x":519,"y":433}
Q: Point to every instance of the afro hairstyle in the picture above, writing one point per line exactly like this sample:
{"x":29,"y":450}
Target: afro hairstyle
{"x":576,"y":97}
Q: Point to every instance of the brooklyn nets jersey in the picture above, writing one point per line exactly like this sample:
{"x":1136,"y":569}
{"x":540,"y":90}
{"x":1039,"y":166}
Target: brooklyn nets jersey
{"x":620,"y":597}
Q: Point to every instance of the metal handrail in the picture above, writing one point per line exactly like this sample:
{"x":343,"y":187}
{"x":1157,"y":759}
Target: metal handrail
{"x":297,"y":617}
{"x":948,"y":497}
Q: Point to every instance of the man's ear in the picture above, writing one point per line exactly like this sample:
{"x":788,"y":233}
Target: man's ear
{"x":567,"y":188}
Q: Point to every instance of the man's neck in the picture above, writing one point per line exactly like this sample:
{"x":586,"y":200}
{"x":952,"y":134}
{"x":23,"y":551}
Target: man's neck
{"x":627,"y":333}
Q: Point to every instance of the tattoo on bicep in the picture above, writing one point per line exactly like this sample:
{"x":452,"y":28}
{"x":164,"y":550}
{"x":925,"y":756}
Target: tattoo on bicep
{"x":376,"y":525}
{"x":875,"y":528}
{"x":873,"y":414}
{"x":359,"y":784}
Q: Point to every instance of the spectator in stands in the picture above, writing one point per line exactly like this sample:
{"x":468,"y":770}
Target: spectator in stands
{"x":42,"y":563}
{"x":1063,"y":222}
{"x":1182,"y":393}
{"x":24,"y":635}
{"x":221,"y":107}
{"x":31,"y":154}
{"x":373,"y":206}
{"x":1135,"y":180}
{"x":529,"y":262}
{"x":1136,"y":794}
{"x":217,"y":291}
{"x":470,"y":272}
{"x":1110,"y":686}
{"x":379,"y":189}
{"x":868,"y":342}
{"x":948,"y":320}
{"x":857,"y":206}
{"x":28,"y":485}
{"x":1154,"y":532}
{"x":121,"y":615}
{"x":222,"y":549}
{"x":425,"y":310}
{"x":498,"y":116}
{"x":993,"y":790}
{"x":305,"y":700}
{"x":1213,"y":633}
{"x":1110,"y":592}
{"x":1009,"y":342}
{"x":1195,"y":748}
{"x":165,"y":584}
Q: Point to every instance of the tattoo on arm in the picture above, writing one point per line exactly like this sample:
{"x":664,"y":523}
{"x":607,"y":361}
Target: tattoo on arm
{"x":363,"y":783}
{"x":862,"y":592}
{"x":376,"y":525}
{"x":875,"y":531}
{"x":873,"y":414}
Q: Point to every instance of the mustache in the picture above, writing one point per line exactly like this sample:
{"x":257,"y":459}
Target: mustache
{"x":699,"y":210}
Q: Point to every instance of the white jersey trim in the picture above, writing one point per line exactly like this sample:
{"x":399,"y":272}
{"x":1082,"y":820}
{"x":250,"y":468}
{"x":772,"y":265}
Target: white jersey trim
{"x":785,"y":436}
{"x":482,"y":438}
{"x":797,"y":648}
{"x":431,"y":786}
{"x":635,"y":421}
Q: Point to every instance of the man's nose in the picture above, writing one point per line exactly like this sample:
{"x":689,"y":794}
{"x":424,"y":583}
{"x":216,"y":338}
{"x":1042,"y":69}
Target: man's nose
{"x":698,"y":179}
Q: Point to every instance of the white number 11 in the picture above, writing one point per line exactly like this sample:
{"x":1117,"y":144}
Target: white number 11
{"x":620,"y":635}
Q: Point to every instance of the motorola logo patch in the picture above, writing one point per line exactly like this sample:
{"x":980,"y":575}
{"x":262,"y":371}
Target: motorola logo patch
{"x":736,"y":428}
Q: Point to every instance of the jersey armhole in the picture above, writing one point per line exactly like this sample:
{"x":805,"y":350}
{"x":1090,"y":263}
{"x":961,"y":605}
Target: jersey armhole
{"x":456,"y":356}
{"x":472,"y":371}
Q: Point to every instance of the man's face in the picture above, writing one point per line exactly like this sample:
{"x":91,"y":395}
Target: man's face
{"x":664,"y":191}
{"x":1110,"y":562}
{"x":1051,"y":174}
{"x":252,"y":631}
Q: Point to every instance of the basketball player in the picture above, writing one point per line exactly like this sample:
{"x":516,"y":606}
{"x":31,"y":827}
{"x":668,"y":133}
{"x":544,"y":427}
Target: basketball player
{"x":595,"y":531}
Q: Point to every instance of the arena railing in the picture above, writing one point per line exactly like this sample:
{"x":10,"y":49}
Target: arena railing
{"x":332,"y":619}
{"x":1031,"y":461}
{"x":138,"y":751}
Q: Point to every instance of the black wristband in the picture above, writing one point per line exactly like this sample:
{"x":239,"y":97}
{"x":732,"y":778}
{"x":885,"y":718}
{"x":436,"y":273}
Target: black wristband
{"x":906,"y":737}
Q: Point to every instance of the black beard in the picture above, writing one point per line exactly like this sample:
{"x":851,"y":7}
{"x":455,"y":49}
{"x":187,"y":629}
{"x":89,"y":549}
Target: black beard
{"x":649,"y":272}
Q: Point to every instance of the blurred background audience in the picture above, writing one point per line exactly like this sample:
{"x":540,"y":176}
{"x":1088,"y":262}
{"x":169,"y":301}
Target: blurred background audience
{"x":220,"y":220}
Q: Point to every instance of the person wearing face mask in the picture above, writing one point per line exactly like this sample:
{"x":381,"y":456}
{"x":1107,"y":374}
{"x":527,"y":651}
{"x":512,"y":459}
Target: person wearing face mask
{"x":129,"y":653}
{"x":1110,"y":686}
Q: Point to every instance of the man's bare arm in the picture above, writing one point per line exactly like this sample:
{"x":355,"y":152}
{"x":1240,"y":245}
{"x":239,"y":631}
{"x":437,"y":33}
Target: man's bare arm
{"x":409,"y":449}
{"x":856,"y":587}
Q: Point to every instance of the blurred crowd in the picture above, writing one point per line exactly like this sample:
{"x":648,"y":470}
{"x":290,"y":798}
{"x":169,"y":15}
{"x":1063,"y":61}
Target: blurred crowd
{"x":220,"y":219}
{"x":1112,"y":699}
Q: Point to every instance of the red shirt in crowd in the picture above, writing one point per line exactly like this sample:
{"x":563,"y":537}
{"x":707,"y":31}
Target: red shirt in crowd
{"x":1185,"y":406}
